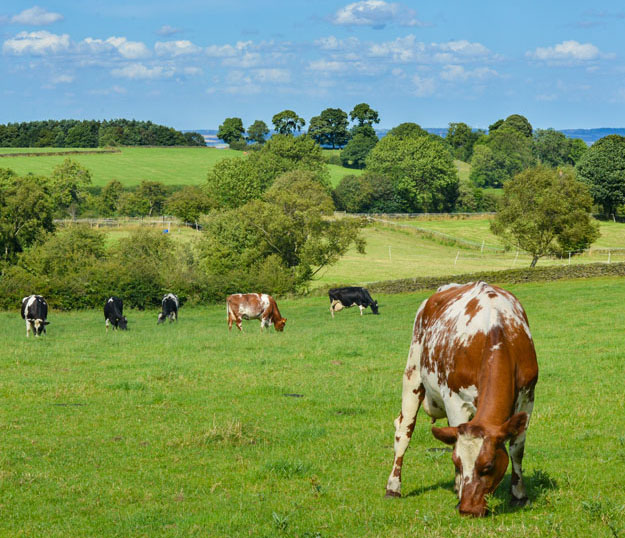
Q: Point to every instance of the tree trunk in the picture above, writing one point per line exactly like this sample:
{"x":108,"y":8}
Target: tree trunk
{"x":534,"y":260}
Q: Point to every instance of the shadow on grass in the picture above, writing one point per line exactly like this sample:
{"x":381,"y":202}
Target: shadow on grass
{"x":537,"y":484}
{"x":441,"y":484}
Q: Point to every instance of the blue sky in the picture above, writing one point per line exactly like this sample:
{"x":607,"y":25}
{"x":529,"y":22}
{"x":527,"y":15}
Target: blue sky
{"x":192,"y":63}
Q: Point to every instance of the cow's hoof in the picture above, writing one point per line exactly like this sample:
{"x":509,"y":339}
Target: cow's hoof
{"x":390,"y":494}
{"x":518,"y":502}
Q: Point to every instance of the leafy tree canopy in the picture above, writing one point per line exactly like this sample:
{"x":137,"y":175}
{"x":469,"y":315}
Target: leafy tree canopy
{"x":545,"y":211}
{"x":364,"y":115}
{"x":330,"y":128}
{"x":408,"y":130}
{"x":257,"y":132}
{"x":421,"y":168}
{"x":354,"y":154}
{"x":231,"y":130}
{"x":287,"y":122}
{"x":602,"y":168}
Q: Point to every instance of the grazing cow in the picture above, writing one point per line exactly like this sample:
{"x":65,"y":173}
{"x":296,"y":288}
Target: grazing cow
{"x":254,"y":306}
{"x":169,"y":308}
{"x":471,"y":360}
{"x":35,"y":312}
{"x":352,"y":295}
{"x":114,"y":314}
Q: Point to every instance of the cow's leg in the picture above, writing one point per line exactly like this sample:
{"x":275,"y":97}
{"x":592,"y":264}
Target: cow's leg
{"x":27,"y":328}
{"x":525,"y":402}
{"x":362,"y":308}
{"x":106,"y":323}
{"x":412,"y":396}
{"x":332,"y":309}
{"x":238,"y":324}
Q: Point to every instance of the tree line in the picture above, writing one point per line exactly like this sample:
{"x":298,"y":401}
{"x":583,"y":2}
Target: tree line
{"x":93,"y":134}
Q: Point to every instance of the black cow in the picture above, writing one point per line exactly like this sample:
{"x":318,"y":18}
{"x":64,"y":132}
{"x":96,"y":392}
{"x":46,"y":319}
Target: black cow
{"x":35,"y":312}
{"x":353,"y":295}
{"x":170,"y":308}
{"x":114,"y":313}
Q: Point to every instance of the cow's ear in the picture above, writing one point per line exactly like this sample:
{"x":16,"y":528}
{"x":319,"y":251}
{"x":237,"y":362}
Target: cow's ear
{"x":514,"y":426}
{"x":448,"y":435}
{"x":46,"y":323}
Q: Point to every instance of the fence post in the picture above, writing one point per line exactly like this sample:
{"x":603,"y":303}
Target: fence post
{"x":515,"y":258}
{"x":569,"y":258}
{"x":456,"y":260}
{"x":482,"y":249}
{"x":609,"y":255}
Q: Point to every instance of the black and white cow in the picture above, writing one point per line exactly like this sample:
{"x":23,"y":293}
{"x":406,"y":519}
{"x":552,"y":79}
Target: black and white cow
{"x":35,"y":312}
{"x":352,"y":295}
{"x":169,"y":308}
{"x":114,"y":314}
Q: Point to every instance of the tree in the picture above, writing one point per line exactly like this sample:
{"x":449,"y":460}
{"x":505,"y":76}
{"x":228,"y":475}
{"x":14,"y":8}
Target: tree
{"x":503,"y":154}
{"x":354,"y":154}
{"x":194,"y":139}
{"x":257,"y":132}
{"x":421,"y":168}
{"x":364,"y":115}
{"x":26,"y":213}
{"x":545,"y":211}
{"x":151,"y":196}
{"x":407,"y":130}
{"x":330,"y":128}
{"x":189,"y":203}
{"x":577,"y":148}
{"x":109,"y":197}
{"x":353,"y":194}
{"x":69,"y":182}
{"x":551,"y":147}
{"x":289,"y":231}
{"x":520,"y":124}
{"x":287,"y":122}
{"x":83,"y":135}
{"x":234,"y":182}
{"x":602,"y":168}
{"x":461,"y":139}
{"x":231,"y":130}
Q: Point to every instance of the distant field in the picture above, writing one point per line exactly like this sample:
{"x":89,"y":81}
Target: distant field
{"x":172,"y":166}
{"x":187,"y":430}
{"x":478,"y":230}
{"x":393,"y":253}
{"x":464,"y":169}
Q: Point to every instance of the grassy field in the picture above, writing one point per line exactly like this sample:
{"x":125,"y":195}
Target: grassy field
{"x":186,"y":430}
{"x":392,"y":253}
{"x":172,"y":166}
{"x":478,"y":230}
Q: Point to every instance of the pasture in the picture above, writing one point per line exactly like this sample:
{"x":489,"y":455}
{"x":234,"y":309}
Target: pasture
{"x":130,"y":166}
{"x":184,"y":429}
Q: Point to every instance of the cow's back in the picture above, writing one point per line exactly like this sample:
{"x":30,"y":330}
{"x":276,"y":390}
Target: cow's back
{"x":460,"y":327}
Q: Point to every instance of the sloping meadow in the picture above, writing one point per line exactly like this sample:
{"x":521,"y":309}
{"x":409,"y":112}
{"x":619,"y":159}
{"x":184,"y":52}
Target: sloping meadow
{"x":184,"y":429}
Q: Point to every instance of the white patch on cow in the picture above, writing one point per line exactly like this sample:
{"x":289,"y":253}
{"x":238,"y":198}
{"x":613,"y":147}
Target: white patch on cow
{"x":448,"y":286}
{"x":468,"y":449}
{"x":264,"y":301}
{"x":110,"y":300}
{"x":496,"y":346}
{"x":31,"y":300}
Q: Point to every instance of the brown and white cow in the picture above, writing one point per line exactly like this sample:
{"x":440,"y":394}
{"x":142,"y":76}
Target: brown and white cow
{"x":471,"y":360}
{"x":254,"y":306}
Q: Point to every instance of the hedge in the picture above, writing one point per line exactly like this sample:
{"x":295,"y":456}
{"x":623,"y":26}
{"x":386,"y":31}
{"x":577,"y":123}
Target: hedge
{"x":509,"y":276}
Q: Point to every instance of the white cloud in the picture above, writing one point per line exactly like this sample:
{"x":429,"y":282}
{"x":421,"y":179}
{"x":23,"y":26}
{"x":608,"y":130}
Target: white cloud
{"x":120,"y":90}
{"x":423,"y":87}
{"x":62,"y":79}
{"x":464,"y":48}
{"x":41,"y":42}
{"x":167,"y":31}
{"x":176,"y":48}
{"x":138,"y":71}
{"x":247,"y":59}
{"x":375,"y":13}
{"x":326,"y":66}
{"x":36,"y":16}
{"x":273,"y":75}
{"x":226,"y":51}
{"x":131,"y":50}
{"x":333,"y":44}
{"x":191,"y":71}
{"x":566,"y":51}
{"x":452,"y":73}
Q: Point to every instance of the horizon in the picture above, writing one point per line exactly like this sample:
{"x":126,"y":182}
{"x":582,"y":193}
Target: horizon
{"x":198,"y":62}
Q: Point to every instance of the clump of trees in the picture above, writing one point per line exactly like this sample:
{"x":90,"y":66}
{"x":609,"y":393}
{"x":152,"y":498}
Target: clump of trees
{"x":546,"y":212}
{"x":93,"y":134}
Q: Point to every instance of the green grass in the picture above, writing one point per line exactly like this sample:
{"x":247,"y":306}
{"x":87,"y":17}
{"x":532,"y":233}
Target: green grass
{"x":339,"y":172}
{"x":172,"y":166}
{"x":184,"y":429}
{"x":464,"y":170}
{"x":412,"y":255}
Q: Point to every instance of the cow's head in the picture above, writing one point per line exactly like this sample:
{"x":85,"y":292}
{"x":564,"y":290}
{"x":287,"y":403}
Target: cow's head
{"x":122,"y":323}
{"x":161,"y":318}
{"x":279,"y":324}
{"x":374,"y":307}
{"x":39,"y":325}
{"x":480,"y":458}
